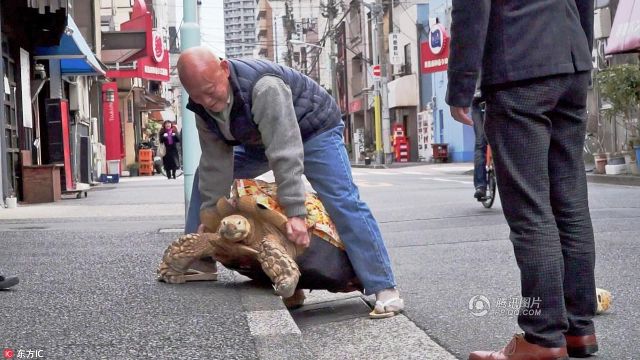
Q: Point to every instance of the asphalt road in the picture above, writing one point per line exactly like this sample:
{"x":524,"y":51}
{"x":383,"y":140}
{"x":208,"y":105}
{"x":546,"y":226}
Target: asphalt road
{"x":88,"y":288}
{"x":87,"y":291}
{"x":446,"y":248}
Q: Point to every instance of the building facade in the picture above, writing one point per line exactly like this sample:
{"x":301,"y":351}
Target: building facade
{"x":239,"y":28}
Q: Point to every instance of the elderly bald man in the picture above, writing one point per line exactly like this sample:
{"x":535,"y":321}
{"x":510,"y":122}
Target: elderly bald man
{"x":254,"y":116}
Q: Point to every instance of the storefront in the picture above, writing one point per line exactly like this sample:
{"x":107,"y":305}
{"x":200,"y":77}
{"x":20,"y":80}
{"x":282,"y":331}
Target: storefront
{"x":22,"y":81}
{"x":138,"y":65}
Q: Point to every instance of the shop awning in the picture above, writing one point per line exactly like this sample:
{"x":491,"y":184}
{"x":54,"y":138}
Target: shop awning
{"x":76,"y":58}
{"x":625,"y":31}
{"x":146,"y":101}
{"x":163,"y":115}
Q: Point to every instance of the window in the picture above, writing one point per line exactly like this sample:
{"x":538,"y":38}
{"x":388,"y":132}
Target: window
{"x":408,"y":68}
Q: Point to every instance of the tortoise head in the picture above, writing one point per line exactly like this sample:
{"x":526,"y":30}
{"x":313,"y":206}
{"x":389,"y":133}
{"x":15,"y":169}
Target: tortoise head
{"x":234,"y":228}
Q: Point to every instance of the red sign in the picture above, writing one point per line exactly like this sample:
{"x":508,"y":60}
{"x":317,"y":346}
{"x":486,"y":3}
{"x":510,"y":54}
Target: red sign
{"x":145,"y":68}
{"x":158,"y":47}
{"x":152,"y":62}
{"x":375,"y":70}
{"x":435,"y":51}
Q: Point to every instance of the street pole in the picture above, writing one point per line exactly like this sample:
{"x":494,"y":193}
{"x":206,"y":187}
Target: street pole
{"x":331,"y":12}
{"x":189,"y":37}
{"x":386,"y":142}
{"x":376,"y":49}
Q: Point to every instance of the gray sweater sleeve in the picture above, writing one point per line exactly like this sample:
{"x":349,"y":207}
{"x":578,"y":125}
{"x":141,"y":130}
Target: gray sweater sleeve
{"x":275,"y":116}
{"x":216,"y":165}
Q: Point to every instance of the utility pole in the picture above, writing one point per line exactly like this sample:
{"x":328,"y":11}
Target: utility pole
{"x":331,"y":13}
{"x":189,"y":37}
{"x":384,"y":73}
{"x":377,"y":47}
{"x":288,"y":28}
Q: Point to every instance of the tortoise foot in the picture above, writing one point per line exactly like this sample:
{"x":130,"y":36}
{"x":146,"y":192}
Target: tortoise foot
{"x":296,"y":301}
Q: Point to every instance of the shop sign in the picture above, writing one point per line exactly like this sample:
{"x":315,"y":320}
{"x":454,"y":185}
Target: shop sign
{"x":435,"y":51}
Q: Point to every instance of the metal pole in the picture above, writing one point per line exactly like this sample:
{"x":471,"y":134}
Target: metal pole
{"x":189,"y":37}
{"x":376,"y":49}
{"x":4,"y":179}
{"x":333,"y":52}
{"x":383,"y":85}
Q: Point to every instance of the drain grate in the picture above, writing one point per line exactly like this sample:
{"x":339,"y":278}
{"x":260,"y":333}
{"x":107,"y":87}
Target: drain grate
{"x":330,"y":311}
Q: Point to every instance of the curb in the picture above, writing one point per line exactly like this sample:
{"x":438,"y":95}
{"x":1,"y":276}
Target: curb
{"x":627,"y":180}
{"x":275,"y":333}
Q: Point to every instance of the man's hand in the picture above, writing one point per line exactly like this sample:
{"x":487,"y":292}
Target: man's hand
{"x":461,"y":114}
{"x":297,"y":231}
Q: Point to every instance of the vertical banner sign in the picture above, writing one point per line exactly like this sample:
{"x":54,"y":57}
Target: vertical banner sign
{"x":111,"y":120}
{"x":435,"y":51}
{"x":25,"y":85}
{"x":395,"y":50}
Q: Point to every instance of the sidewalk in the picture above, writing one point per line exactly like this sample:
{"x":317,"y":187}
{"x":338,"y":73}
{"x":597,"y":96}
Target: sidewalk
{"x":88,"y":290}
{"x":623,"y":179}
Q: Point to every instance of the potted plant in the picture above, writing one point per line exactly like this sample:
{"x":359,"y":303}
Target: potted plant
{"x":133,"y":169}
{"x":620,"y":87}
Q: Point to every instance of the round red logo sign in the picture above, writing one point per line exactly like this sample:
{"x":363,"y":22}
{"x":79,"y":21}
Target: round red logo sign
{"x":158,"y":47}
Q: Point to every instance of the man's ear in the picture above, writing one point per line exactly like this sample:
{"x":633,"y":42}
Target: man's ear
{"x":224,"y":65}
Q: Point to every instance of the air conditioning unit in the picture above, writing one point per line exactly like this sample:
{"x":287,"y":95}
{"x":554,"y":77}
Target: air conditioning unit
{"x":602,"y":23}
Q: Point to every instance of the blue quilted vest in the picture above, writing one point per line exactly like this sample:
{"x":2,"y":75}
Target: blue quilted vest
{"x":315,"y":109}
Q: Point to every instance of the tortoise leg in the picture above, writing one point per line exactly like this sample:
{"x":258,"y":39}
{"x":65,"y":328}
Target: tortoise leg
{"x":279,"y":266}
{"x":296,"y":301}
{"x":178,"y":257}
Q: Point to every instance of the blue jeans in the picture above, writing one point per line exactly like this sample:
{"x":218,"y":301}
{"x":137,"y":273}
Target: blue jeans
{"x":480,"y":148}
{"x":327,"y":167}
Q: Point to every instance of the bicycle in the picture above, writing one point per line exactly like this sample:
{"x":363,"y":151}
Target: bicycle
{"x":488,"y":200}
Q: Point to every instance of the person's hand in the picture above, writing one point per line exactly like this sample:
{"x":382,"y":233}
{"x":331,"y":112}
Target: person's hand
{"x":297,"y":231}
{"x":461,"y":114}
{"x":201,"y":229}
{"x":165,"y":135}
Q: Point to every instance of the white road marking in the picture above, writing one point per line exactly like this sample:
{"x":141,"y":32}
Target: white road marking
{"x":447,"y":180}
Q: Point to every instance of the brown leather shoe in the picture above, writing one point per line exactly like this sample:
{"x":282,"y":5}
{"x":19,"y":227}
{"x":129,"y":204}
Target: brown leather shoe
{"x":520,"y":349}
{"x":581,"y":346}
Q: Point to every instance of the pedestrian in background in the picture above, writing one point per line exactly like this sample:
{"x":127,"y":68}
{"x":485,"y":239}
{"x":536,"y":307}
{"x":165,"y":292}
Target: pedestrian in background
{"x":535,"y":61}
{"x":169,"y":138}
{"x":254,"y":115}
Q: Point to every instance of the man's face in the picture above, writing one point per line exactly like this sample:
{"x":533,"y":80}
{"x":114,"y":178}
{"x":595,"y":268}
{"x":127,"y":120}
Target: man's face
{"x":212,"y":89}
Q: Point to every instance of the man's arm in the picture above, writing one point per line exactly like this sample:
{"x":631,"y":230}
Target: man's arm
{"x":585,"y":9}
{"x":216,"y":166}
{"x":469,"y":25}
{"x":276,"y":119}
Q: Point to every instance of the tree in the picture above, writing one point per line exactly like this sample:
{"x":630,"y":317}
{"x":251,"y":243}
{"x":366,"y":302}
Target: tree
{"x":620,"y":86}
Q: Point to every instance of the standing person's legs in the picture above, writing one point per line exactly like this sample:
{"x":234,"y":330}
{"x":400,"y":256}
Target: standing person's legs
{"x":327,"y":167}
{"x":570,"y":205}
{"x":480,"y":150}
{"x":519,"y":132}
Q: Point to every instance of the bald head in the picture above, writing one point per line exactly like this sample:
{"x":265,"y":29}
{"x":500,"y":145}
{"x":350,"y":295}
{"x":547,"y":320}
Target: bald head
{"x":205,"y":77}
